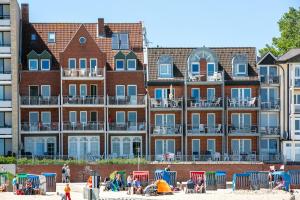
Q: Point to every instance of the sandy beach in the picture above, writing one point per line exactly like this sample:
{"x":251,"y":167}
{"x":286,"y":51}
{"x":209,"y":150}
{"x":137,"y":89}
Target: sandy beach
{"x":226,"y":194}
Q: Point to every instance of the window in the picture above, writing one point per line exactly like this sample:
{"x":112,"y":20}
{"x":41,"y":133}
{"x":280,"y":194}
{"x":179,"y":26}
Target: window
{"x":33,"y":64}
{"x":240,"y":65}
{"x":5,"y":38}
{"x":163,"y":93}
{"x":164,"y":146}
{"x":4,"y":12}
{"x":297,"y":76}
{"x":72,"y":63}
{"x":297,"y":126}
{"x":51,"y":37}
{"x":131,"y":93}
{"x":195,"y":94}
{"x":211,"y":94}
{"x":45,"y":64}
{"x":72,"y":90}
{"x":167,"y":120}
{"x":5,"y":92}
{"x":132,"y":120}
{"x":82,"y":63}
{"x":131,"y":64}
{"x":269,"y":96}
{"x":195,"y":68}
{"x":211,"y":122}
{"x":241,"y":69}
{"x":46,"y":118}
{"x":45,"y":90}
{"x":269,"y":121}
{"x":195,"y":121}
{"x":269,"y":146}
{"x":241,"y":94}
{"x":5,"y":119}
{"x":83,"y":117}
{"x":120,"y":64}
{"x":82,"y":40}
{"x":196,"y":147}
{"x":73,"y":117}
{"x":165,"y":71}
{"x":33,"y":37}
{"x":120,"y":117}
{"x":93,"y":64}
{"x":241,"y":146}
{"x":33,"y":120}
{"x":94,"y":116}
{"x":120,"y":41}
{"x":211,"y":69}
{"x":83,"y":92}
{"x":5,"y":66}
{"x":120,"y":91}
{"x":297,"y":99}
{"x":211,"y":146}
{"x":241,"y":121}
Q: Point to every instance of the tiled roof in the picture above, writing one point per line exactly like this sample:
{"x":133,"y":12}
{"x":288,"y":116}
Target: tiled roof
{"x":180,"y":57}
{"x":65,"y":31}
{"x":290,"y":54}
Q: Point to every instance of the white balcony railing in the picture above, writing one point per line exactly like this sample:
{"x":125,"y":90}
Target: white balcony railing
{"x":129,"y":126}
{"x":204,"y":129}
{"x":269,"y":79}
{"x":84,"y":100}
{"x":243,"y":130}
{"x":204,"y":77}
{"x":269,"y":130}
{"x":39,"y":126}
{"x":82,"y":74}
{"x":243,"y":103}
{"x":126,"y":100}
{"x":166,"y":130}
{"x":166,"y":103}
{"x":39,"y":100}
{"x":204,"y":103}
{"x":88,"y":126}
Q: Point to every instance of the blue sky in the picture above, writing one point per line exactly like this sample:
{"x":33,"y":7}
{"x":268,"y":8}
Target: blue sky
{"x":175,"y":23}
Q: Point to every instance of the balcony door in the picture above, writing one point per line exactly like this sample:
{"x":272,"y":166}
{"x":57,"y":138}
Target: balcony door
{"x":46,"y":119}
{"x":83,"y":91}
{"x":120,"y":93}
{"x":241,"y":146}
{"x":33,"y":120}
{"x":33,"y":91}
{"x":268,"y":148}
{"x":269,"y":96}
{"x":46,"y":91}
{"x":211,"y":69}
{"x":196,"y":148}
{"x":195,"y":121}
{"x":163,"y":147}
{"x":297,"y":76}
{"x":195,"y":94}
{"x":93,"y":90}
{"x":72,"y":90}
{"x":241,"y":121}
{"x":132,"y":120}
{"x":163,"y":93}
{"x":132,"y":94}
{"x":241,"y":94}
{"x":166,"y":122}
{"x":269,"y":121}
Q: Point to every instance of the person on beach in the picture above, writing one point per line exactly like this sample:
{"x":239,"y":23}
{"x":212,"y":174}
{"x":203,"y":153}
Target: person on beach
{"x":15,"y":184}
{"x":67,"y":192}
{"x":137,"y":187}
{"x":271,"y":180}
{"x":63,"y":173}
{"x":200,"y":186}
{"x":280,"y":184}
{"x":68,"y":174}
{"x":129,"y":183}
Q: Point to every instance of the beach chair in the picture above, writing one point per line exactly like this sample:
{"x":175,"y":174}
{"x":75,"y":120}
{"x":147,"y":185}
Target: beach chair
{"x":143,"y":177}
{"x":241,"y":182}
{"x":190,"y":186}
{"x":50,"y":182}
{"x":169,"y":176}
{"x":194,"y":175}
{"x":254,"y":181}
{"x":211,"y":181}
{"x":295,"y":178}
{"x":221,"y":179}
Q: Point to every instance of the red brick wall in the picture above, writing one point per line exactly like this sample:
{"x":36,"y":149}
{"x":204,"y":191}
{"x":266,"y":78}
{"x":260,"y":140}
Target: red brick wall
{"x":183,"y":170}
{"x":25,"y":113}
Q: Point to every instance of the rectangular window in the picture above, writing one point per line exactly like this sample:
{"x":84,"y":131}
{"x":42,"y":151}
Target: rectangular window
{"x":195,"y":68}
{"x":195,"y":121}
{"x":33,"y":37}
{"x":124,"y":44}
{"x":6,"y":119}
{"x":73,"y":117}
{"x":51,"y":37}
{"x":241,"y":94}
{"x":45,"y":64}
{"x":241,"y":69}
{"x":94,"y":116}
{"x":120,"y":91}
{"x":82,"y":63}
{"x":5,"y":92}
{"x":241,"y":121}
{"x":132,"y":94}
{"x":211,"y":122}
{"x":195,"y":94}
{"x":211,"y":69}
{"x":115,"y":41}
{"x":93,"y":64}
{"x":5,"y":38}
{"x":83,"y":117}
{"x":83,"y":92}
{"x":196,"y":147}
{"x":211,"y":145}
{"x":72,"y":63}
{"x":120,"y":117}
{"x":5,"y":66}
{"x":239,"y":146}
{"x":211,"y":94}
{"x":4,"y":11}
{"x":297,"y":126}
{"x":165,"y":71}
{"x":132,"y":119}
{"x":33,"y":64}
{"x":131,"y":64}
{"x":72,"y":90}
{"x":164,"y":146}
{"x":46,"y":118}
{"x":120,"y":64}
{"x":45,"y":90}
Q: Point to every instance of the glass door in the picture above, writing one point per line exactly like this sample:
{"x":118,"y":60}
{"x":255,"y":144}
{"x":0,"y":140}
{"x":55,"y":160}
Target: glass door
{"x":132,"y":94}
{"x":33,"y":121}
{"x":132,"y":123}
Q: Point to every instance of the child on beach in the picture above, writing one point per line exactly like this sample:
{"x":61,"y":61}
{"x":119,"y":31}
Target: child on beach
{"x":129,"y":183}
{"x":67,"y":192}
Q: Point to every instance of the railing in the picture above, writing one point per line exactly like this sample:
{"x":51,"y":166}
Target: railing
{"x":204,"y":77}
{"x":166,"y":130}
{"x":83,"y":100}
{"x":240,"y":130}
{"x":82,"y":73}
{"x":4,"y":17}
{"x":39,"y":100}
{"x":204,"y":103}
{"x":242,"y":103}
{"x":6,"y":126}
{"x":270,"y":105}
{"x":204,"y":129}
{"x":5,"y":44}
{"x":166,"y":103}
{"x":88,"y":126}
{"x":270,"y":79}
{"x":270,"y":130}
{"x":39,"y":126}
{"x":126,"y":100}
{"x":129,"y":126}
{"x":3,"y":71}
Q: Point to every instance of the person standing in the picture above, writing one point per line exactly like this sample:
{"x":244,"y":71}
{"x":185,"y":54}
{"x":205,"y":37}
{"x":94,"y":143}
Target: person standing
{"x":67,"y":192}
{"x":63,"y":173}
{"x":129,"y":183}
{"x":68,"y":174}
{"x":15,"y":184}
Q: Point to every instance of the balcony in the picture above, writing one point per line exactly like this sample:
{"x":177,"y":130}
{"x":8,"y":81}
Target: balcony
{"x":79,"y":127}
{"x":5,"y":48}
{"x":4,"y":20}
{"x":83,"y":101}
{"x":162,"y":104}
{"x":5,"y":75}
{"x":205,"y":104}
{"x":270,"y":80}
{"x":270,"y":130}
{"x":204,"y":79}
{"x":27,"y":127}
{"x":270,"y":105}
{"x":246,"y":130}
{"x":204,"y":129}
{"x":5,"y":103}
{"x":128,"y":127}
{"x":39,"y":101}
{"x":82,"y":74}
{"x":166,"y":130}
{"x":248,"y":103}
{"x":127,"y":101}
{"x":5,"y":129}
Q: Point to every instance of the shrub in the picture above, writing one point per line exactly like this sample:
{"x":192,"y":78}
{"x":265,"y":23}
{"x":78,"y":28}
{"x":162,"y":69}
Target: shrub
{"x":7,"y":160}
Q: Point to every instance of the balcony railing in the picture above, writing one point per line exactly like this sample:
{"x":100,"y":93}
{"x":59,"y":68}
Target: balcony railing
{"x":39,"y":100}
{"x":166,"y":103}
{"x":82,"y":73}
{"x":240,"y":130}
{"x":270,"y":79}
{"x":129,"y":126}
{"x":166,"y":130}
{"x":126,"y":100}
{"x":4,"y":17}
{"x":39,"y":126}
{"x":270,"y":105}
{"x":242,"y":103}
{"x":204,"y":103}
{"x":204,"y":129}
{"x":270,"y":130}
{"x":83,"y":100}
{"x":204,"y":77}
{"x":88,"y":126}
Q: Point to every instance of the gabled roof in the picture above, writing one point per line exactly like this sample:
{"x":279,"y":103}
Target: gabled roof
{"x":292,"y":53}
{"x":268,"y":58}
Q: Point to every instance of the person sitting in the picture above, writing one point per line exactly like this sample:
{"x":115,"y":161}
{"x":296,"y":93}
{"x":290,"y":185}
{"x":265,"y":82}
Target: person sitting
{"x":28,"y":187}
{"x":168,"y":168}
{"x":137,"y":187}
{"x":107,"y":184}
{"x":279,"y":184}
{"x":190,"y":186}
{"x":129,"y":183}
{"x":3,"y":188}
{"x":151,"y":190}
{"x":271,"y":180}
{"x":118,"y":183}
{"x":200,"y":186}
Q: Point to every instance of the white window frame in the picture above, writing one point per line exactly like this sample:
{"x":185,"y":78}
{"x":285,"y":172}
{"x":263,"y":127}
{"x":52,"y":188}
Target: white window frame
{"x":199,"y":150}
{"x":51,"y":40}
{"x":164,"y":142}
{"x":121,"y":138}
{"x":38,"y":117}
{"x":120,"y":69}
{"x":297,"y":132}
{"x":118,"y":96}
{"x":85,"y":60}
{"x":131,"y":69}
{"x":241,"y":115}
{"x":83,"y":85}
{"x":164,"y":117}
{"x":199,"y":92}
{"x":37,"y":64}
{"x":213,"y":89}
{"x":209,"y":63}
{"x":214,"y":140}
{"x":212,"y":114}
{"x":41,"y":61}
{"x":81,"y":112}
{"x":168,"y":74}
{"x":69,"y":61}
{"x":74,"y":87}
{"x":238,"y":69}
{"x":240,"y":141}
{"x":135,"y":117}
{"x":45,"y":112}
{"x":195,"y":114}
{"x":93,"y":59}
{"x":75,"y":117}
{"x":198,"y":72}
{"x":123,"y":115}
{"x":42,"y":86}
{"x":243,"y":93}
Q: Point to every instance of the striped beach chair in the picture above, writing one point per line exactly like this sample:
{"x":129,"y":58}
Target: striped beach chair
{"x":241,"y":181}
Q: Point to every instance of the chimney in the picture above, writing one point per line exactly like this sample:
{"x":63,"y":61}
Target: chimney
{"x":101,"y":28}
{"x":25,"y":13}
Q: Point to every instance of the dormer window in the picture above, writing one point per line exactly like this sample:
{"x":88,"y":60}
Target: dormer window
{"x":45,"y":64}
{"x":195,"y":68}
{"x":240,"y":65}
{"x":211,"y":69}
{"x":131,"y":64}
{"x":165,"y":66}
{"x":120,"y":41}
{"x":51,"y":37}
{"x":33,"y":64}
{"x":120,"y":64}
{"x":241,"y":69}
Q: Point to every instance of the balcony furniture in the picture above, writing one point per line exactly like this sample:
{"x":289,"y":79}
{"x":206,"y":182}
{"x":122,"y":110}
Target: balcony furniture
{"x":68,"y":73}
{"x":217,"y":156}
{"x":142,"y":127}
{"x":73,"y":73}
{"x":178,"y":156}
{"x":201,"y":128}
{"x":196,"y":156}
{"x":156,"y":130}
{"x":153,"y":103}
{"x":233,"y":102}
{"x":226,"y":157}
{"x":82,"y":73}
{"x":191,"y":77}
{"x":216,"y":103}
{"x":263,"y":129}
{"x":251,"y":103}
{"x":219,"y":128}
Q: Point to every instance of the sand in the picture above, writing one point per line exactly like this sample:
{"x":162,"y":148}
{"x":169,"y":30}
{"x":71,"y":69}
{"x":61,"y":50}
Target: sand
{"x":226,"y":194}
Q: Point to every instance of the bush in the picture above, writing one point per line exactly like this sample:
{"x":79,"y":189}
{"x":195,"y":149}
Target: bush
{"x":7,"y":160}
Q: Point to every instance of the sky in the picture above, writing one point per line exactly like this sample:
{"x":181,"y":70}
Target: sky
{"x":177,"y":23}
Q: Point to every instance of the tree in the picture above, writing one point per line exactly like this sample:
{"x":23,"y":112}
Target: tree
{"x":289,"y":27}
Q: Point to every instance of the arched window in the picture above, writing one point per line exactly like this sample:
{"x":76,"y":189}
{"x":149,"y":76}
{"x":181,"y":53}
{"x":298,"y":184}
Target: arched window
{"x":240,"y":65}
{"x":94,"y":146}
{"x":115,"y":146}
{"x":165,"y":66}
{"x":72,"y":148}
{"x":126,"y":146}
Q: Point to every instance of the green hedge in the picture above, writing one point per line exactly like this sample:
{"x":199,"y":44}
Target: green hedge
{"x":7,"y":160}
